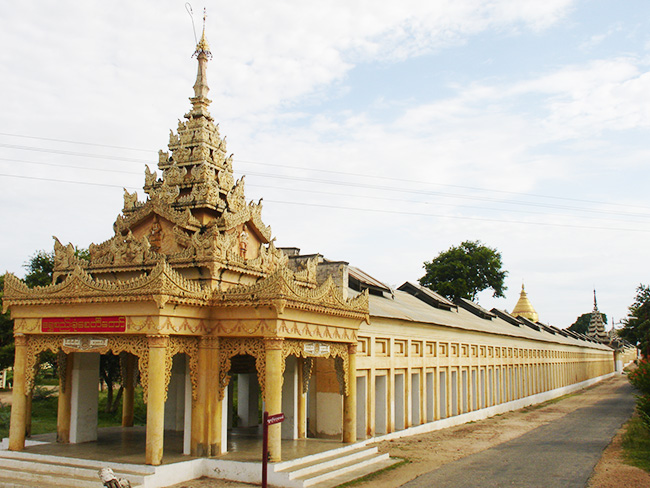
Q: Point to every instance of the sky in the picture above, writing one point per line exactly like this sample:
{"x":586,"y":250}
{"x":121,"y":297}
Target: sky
{"x":378,"y":133}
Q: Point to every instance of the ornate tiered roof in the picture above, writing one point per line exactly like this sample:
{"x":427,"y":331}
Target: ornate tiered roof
{"x":195,"y":214}
{"x":194,"y":240}
{"x":524,"y":308}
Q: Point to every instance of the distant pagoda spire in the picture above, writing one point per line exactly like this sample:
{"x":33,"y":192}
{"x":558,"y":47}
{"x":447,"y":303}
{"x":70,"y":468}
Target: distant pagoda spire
{"x":596,"y":325}
{"x":524,"y":308}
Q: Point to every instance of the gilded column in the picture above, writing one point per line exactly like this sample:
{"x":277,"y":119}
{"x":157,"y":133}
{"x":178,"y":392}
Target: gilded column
{"x":302,"y":399}
{"x":214,"y":411}
{"x":198,"y":443}
{"x":273,"y":394}
{"x":156,"y":398}
{"x":65,"y":396}
{"x":128,"y":394}
{"x":19,"y":399}
{"x":350,"y":400}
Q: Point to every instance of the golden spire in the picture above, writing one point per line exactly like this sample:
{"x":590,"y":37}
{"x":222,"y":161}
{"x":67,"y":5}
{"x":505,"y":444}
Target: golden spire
{"x":524,"y":308}
{"x":202,"y":46}
{"x":200,"y":100}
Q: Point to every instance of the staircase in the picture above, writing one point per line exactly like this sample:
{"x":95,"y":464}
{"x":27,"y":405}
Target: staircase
{"x":331,"y":468}
{"x":21,"y":470}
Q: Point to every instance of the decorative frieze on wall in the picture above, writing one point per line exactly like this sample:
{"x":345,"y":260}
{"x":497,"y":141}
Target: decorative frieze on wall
{"x":116,"y":344}
{"x":339,"y":352}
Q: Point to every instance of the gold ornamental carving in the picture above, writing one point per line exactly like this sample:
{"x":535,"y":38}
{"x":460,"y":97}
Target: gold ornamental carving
{"x":339,"y":352}
{"x":234,"y":346}
{"x":136,"y":345}
{"x":188,"y":346}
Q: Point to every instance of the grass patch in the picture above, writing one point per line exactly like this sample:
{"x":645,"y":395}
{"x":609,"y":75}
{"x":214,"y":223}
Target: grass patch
{"x":45,"y":405}
{"x":371,"y":476}
{"x":636,"y":444}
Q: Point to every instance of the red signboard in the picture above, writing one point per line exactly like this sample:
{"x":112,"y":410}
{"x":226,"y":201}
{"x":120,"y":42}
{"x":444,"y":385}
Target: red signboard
{"x":275,"y":419}
{"x":83,"y":324}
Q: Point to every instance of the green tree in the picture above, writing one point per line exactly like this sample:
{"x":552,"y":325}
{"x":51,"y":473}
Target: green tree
{"x":465,"y":270}
{"x":40,"y":269}
{"x":6,"y":334}
{"x":637,"y":326}
{"x":581,"y":325}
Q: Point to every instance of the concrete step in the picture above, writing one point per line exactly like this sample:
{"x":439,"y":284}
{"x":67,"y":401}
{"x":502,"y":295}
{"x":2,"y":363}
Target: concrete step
{"x":358,"y":473}
{"x":26,"y":469}
{"x":331,"y":469}
{"x":311,"y":466}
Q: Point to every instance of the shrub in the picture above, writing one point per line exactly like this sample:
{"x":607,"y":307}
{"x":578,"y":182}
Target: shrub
{"x":643,"y":408}
{"x":640,"y":377}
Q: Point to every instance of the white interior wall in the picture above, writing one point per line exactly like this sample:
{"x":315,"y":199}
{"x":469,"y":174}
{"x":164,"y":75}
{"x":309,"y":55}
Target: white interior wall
{"x":289,"y":426}
{"x":175,"y":404}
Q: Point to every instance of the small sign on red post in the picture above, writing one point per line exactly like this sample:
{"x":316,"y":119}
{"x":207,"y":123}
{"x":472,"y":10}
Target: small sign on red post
{"x":266,"y":421}
{"x":274,"y":419}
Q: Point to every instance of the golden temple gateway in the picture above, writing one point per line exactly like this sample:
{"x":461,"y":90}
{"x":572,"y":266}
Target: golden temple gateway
{"x":200,"y":306}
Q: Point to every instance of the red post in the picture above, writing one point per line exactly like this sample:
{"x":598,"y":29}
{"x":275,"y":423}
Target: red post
{"x":265,"y":447}
{"x":267,"y":420}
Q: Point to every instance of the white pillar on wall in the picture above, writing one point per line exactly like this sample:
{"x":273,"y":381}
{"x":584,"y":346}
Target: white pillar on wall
{"x":399,"y":402}
{"x":454,"y":393}
{"x":443,"y":395}
{"x":84,"y":397}
{"x":415,"y":399}
{"x":362,"y":417}
{"x":187,"y":421}
{"x":381,"y":400}
{"x":431,"y":397}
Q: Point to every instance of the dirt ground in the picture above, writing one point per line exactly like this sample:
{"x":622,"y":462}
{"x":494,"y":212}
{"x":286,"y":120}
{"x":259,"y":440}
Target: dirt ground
{"x":426,"y":452}
{"x":611,"y":470}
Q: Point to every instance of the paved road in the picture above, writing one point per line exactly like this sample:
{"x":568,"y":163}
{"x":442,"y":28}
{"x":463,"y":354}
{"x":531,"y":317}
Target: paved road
{"x":560,"y":454}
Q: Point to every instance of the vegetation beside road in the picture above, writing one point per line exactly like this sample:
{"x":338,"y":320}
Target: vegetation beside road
{"x":636,"y":444}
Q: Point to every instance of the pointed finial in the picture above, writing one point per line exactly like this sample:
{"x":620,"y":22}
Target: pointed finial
{"x":202,"y":46}
{"x":200,"y":100}
{"x":595,"y":303}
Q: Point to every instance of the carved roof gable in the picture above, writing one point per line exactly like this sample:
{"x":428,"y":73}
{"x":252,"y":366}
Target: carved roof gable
{"x":281,"y":289}
{"x":163,"y":284}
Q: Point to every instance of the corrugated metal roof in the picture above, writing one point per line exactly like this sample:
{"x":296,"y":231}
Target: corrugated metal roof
{"x":364,"y":277}
{"x":418,"y":290}
{"x":405,"y":307}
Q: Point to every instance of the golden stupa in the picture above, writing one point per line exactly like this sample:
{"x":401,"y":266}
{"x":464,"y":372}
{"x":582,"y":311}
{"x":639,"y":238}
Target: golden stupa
{"x":524,"y":308}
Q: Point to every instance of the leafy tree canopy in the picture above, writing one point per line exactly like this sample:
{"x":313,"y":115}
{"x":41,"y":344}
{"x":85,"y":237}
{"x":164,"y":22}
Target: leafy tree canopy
{"x":40,"y":269}
{"x":581,"y":325}
{"x":637,"y":325}
{"x":464,"y":271}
